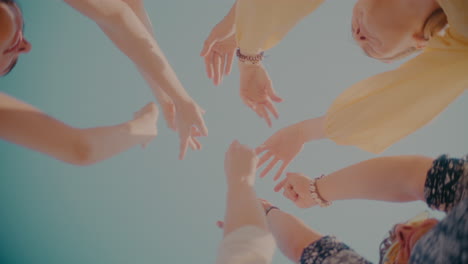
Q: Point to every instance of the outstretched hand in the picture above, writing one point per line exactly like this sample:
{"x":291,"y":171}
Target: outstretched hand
{"x":144,"y":123}
{"x":190,"y":125}
{"x":219,"y":49}
{"x":283,"y":146}
{"x":256,"y":91}
{"x":240,"y":164}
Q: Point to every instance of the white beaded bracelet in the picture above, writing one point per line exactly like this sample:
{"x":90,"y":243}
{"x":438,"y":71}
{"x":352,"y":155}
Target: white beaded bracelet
{"x":315,"y":193}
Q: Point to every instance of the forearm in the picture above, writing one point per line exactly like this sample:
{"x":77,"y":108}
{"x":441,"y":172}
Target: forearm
{"x":393,"y":179}
{"x":312,"y":129}
{"x":25,"y":125}
{"x":291,"y":234}
{"x":129,"y":33}
{"x":105,"y":142}
{"x":138,"y":8}
{"x":242,"y":209}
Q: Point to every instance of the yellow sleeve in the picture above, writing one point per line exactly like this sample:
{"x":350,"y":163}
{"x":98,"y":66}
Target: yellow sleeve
{"x":261,"y":24}
{"x":375,"y":113}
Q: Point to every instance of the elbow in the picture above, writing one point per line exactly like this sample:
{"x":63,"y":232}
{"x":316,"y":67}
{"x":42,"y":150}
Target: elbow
{"x":296,"y":254}
{"x":81,"y":152}
{"x":293,"y":249}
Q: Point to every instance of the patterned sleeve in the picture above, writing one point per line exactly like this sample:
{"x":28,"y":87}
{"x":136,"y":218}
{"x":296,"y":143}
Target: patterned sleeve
{"x":328,"y":250}
{"x":447,"y":183}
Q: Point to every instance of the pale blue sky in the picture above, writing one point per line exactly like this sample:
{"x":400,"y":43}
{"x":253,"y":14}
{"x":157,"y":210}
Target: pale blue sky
{"x":146,"y":206}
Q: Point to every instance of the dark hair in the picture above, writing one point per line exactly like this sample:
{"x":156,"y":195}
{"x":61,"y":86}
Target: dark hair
{"x":14,"y":63}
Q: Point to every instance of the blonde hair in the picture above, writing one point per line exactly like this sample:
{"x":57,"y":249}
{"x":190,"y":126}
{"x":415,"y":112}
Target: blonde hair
{"x":391,"y":246}
{"x":434,"y":24}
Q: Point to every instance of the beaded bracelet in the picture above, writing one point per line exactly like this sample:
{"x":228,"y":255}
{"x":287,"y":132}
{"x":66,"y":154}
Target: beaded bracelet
{"x":255,"y":59}
{"x":315,"y":193}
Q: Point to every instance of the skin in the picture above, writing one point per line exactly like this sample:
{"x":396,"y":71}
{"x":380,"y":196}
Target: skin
{"x":12,"y":41}
{"x":385,"y":28}
{"x":242,"y":207}
{"x":125,"y":23}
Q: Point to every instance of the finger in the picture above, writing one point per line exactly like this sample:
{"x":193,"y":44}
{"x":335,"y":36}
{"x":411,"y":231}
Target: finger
{"x":290,"y":194}
{"x":200,"y":123}
{"x":265,"y":115}
{"x":257,"y":110}
{"x":209,"y":66}
{"x":271,"y":107}
{"x":184,"y":141}
{"x":222,"y":69}
{"x":207,"y":45}
{"x":281,"y":170}
{"x":273,"y":95}
{"x":192,"y":144}
{"x":281,"y":185}
{"x":216,"y":68}
{"x":195,"y":132}
{"x":261,"y":149}
{"x":170,"y":117}
{"x":197,"y":143}
{"x":229,"y":61}
{"x":264,"y":158}
{"x":269,"y":167}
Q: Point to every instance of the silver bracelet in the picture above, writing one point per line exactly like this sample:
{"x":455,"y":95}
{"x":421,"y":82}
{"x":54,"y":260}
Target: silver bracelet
{"x":315,"y":193}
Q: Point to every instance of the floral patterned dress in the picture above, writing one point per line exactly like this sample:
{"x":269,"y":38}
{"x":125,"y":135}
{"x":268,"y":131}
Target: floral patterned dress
{"x":446,"y":189}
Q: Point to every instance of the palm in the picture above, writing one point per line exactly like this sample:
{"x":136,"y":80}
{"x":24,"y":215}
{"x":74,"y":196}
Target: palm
{"x":256,"y":91}
{"x":283,"y":146}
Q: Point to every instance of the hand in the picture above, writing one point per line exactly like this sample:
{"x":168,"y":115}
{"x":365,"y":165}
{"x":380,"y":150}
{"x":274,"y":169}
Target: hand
{"x":240,"y":164}
{"x":284,"y":145}
{"x":144,"y":123}
{"x":190,"y":124}
{"x":219,"y":58}
{"x":256,"y":91}
{"x":296,"y":189}
{"x":219,"y":49}
{"x":264,"y":203}
{"x":168,"y":109}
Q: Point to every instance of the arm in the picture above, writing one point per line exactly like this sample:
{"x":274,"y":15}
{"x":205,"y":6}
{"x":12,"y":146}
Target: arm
{"x":164,"y":100}
{"x":394,"y":179}
{"x":302,"y":244}
{"x":291,"y":234}
{"x":122,"y":25}
{"x":242,"y":207}
{"x":25,"y":125}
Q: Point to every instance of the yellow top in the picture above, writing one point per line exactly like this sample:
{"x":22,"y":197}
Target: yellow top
{"x":261,"y":24}
{"x":377,"y":112}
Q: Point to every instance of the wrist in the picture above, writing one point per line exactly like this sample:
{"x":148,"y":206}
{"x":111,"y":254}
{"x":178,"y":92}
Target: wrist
{"x":249,"y":57}
{"x":311,"y":129}
{"x":316,"y":192}
{"x":270,"y":208}
{"x":240,"y":181}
